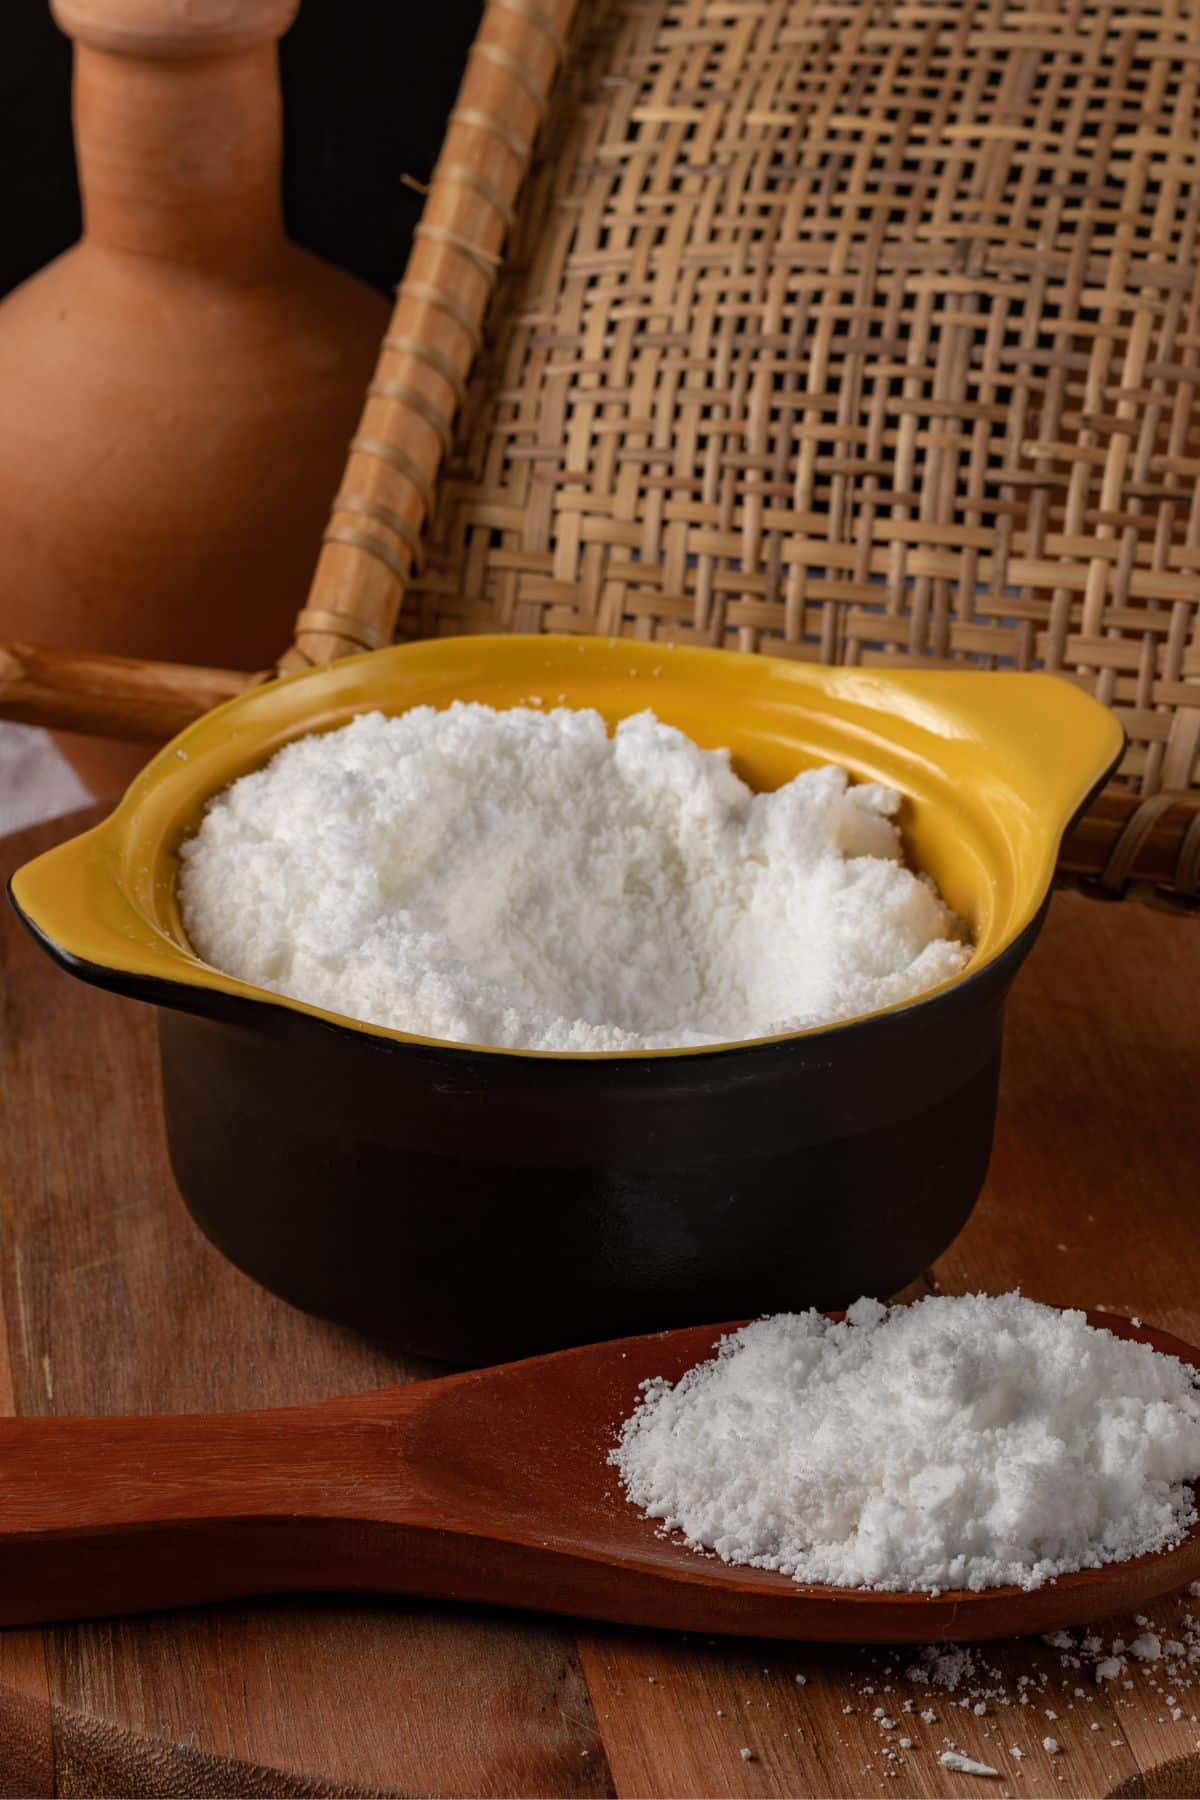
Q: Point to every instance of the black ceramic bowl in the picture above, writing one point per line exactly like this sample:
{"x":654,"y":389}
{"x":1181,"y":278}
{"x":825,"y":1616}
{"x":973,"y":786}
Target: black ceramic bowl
{"x":477,"y":1204}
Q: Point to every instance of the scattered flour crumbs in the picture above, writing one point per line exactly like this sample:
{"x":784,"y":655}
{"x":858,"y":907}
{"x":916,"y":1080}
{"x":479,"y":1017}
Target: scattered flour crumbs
{"x":520,"y":878}
{"x":955,"y":1443}
{"x":969,"y":1710}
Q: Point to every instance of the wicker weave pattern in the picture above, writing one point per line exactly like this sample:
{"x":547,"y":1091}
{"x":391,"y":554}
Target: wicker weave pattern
{"x":853,"y":330}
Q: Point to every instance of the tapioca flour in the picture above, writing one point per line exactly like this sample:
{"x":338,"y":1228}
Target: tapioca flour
{"x":523,"y":879}
{"x":955,"y":1443}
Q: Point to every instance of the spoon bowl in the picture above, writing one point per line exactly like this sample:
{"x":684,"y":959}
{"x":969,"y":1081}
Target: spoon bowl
{"x":490,"y":1486}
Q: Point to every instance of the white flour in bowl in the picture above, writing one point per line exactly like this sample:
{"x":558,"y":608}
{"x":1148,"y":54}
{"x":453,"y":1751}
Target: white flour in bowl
{"x":522,"y":879}
{"x":957,"y":1443}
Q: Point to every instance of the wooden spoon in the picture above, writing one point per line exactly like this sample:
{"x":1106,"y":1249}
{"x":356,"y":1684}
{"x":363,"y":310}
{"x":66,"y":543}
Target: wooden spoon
{"x":487,"y":1486}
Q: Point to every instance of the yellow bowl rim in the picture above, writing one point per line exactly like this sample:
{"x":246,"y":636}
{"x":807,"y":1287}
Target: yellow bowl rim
{"x":168,"y":964}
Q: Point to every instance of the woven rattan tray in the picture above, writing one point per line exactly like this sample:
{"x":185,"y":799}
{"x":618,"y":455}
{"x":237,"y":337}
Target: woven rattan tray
{"x":864,"y":331}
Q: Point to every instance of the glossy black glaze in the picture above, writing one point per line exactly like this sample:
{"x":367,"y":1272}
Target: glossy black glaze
{"x":478,"y":1207}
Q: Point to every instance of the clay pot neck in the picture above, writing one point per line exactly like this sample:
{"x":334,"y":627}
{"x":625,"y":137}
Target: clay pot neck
{"x":180,"y":156}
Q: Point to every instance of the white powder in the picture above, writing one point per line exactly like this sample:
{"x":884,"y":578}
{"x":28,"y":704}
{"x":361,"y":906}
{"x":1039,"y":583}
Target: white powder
{"x":955,"y":1443}
{"x":965,"y":1765}
{"x":522,"y":879}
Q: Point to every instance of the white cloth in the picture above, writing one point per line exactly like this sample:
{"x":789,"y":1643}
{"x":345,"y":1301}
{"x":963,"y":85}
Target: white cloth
{"x":36,"y":781}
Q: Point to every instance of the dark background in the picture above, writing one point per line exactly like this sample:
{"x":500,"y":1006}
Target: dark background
{"x":367,"y":85}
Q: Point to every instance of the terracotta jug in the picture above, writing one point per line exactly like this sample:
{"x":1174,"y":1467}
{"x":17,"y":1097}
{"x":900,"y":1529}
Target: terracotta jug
{"x":176,"y":391}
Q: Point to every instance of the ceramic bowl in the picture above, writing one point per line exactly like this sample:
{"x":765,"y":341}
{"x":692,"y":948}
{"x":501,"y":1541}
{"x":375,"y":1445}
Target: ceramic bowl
{"x":476,"y":1204}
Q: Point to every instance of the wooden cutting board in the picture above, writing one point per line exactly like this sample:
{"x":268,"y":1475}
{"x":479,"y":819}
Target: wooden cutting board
{"x":114,"y":1303}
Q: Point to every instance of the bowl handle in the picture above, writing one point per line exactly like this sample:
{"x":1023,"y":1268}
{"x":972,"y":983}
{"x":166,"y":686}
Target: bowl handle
{"x":74,"y":903}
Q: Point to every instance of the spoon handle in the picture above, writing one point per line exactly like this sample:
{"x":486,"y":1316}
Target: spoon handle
{"x":116,"y":1515}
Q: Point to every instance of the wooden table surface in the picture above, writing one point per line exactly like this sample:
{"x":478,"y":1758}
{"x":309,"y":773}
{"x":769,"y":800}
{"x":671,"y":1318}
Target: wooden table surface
{"x":114,"y":1303}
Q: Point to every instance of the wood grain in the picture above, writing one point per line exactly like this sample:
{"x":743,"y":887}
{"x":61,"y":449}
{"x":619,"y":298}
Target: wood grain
{"x":26,"y":1730}
{"x":114,"y":1303}
{"x":1098,"y":1150}
{"x":485,"y":1485}
{"x":393,"y":1699}
{"x":117,"y":695}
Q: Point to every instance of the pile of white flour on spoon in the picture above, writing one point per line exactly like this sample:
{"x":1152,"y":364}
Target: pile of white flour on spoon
{"x":521,"y":878}
{"x":957,"y":1443}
